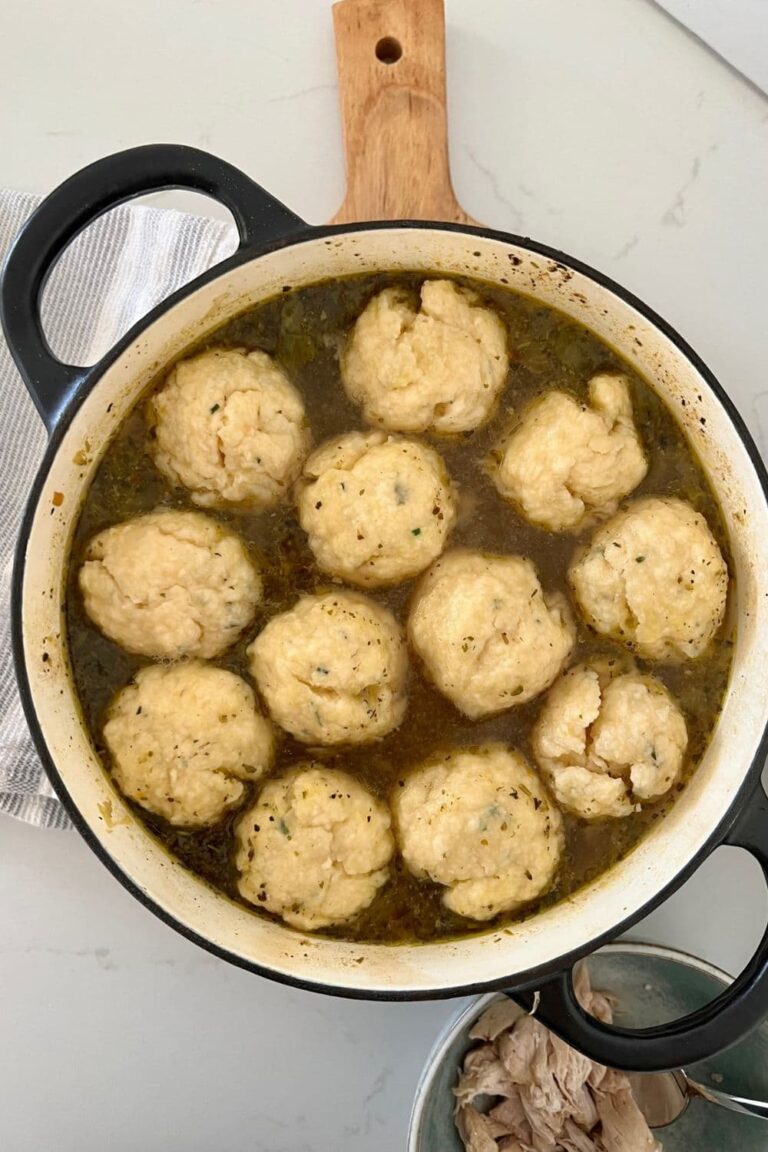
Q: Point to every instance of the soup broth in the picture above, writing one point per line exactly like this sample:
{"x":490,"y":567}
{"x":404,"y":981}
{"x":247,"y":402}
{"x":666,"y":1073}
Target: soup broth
{"x":304,"y":330}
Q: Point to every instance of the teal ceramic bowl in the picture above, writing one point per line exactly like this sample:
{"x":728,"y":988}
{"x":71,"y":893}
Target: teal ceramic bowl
{"x":652,"y":985}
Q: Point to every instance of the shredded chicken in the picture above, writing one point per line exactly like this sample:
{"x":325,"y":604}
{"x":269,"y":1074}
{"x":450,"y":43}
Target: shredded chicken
{"x":524,"y":1090}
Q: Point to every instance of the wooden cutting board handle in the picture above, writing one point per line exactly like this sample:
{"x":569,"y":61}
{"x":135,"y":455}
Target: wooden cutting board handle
{"x":391,"y":60}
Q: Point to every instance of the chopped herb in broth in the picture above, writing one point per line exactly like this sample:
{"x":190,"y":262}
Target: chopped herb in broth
{"x":304,"y":330}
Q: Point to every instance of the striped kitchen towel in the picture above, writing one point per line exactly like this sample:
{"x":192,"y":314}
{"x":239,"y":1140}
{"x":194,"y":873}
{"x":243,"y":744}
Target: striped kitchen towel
{"x":111,"y":276}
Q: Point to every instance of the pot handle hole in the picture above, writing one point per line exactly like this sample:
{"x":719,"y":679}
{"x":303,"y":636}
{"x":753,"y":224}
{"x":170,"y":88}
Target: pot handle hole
{"x":77,"y":203}
{"x":679,"y":1043}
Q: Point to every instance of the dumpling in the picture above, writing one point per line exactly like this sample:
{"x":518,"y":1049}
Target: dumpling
{"x":314,"y":848}
{"x":488,"y":634}
{"x":170,"y":584}
{"x":479,"y":821}
{"x":439,"y":367}
{"x":608,"y":743}
{"x":654,"y":577}
{"x":566,"y":463}
{"x":182,"y":739}
{"x":333,"y":669}
{"x":377,"y":509}
{"x":228,"y":425}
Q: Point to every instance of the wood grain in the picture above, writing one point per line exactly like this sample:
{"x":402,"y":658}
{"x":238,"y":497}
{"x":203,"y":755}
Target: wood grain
{"x":393,"y":113}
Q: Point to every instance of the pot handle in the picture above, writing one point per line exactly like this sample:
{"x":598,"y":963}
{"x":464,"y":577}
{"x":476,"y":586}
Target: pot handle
{"x":679,"y":1043}
{"x":78,"y":202}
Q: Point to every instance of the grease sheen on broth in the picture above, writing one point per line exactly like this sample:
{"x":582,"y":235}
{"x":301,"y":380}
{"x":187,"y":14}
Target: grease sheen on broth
{"x":303,"y":329}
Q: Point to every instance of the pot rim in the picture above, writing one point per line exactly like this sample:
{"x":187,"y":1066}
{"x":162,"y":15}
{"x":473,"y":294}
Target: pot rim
{"x":86,"y":384}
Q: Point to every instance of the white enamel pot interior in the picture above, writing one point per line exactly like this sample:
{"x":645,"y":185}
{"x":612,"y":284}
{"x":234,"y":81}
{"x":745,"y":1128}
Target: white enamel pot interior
{"x":519,"y":954}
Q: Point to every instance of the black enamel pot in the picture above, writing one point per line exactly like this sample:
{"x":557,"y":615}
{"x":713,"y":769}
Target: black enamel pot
{"x":82,"y":408}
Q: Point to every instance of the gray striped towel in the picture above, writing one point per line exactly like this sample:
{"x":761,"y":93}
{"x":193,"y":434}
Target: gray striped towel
{"x":111,"y":276}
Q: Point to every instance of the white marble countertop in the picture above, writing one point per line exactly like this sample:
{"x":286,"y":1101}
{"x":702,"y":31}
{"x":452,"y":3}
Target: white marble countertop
{"x":599,"y":128}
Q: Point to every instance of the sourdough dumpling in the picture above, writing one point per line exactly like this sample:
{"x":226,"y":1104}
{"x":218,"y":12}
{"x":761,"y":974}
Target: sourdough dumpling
{"x":183,"y":738}
{"x":479,"y":822}
{"x":489,"y":636}
{"x":170,"y":584}
{"x":377,"y":509}
{"x":229,"y":426}
{"x":607,"y":744}
{"x":314,"y":848}
{"x":333,"y":669}
{"x":567,"y":464}
{"x":654,"y":577}
{"x":439,"y":367}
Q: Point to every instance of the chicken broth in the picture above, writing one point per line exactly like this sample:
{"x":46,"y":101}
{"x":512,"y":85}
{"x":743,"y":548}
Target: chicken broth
{"x":304,"y":331}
